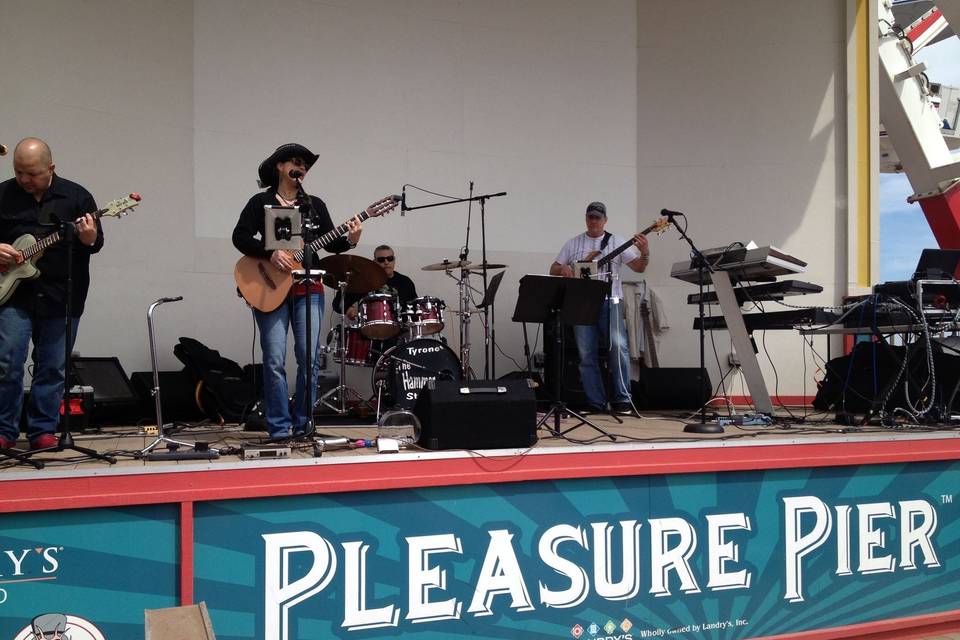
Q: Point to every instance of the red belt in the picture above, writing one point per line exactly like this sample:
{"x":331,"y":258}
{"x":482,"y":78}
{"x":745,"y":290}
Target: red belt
{"x":300,"y":289}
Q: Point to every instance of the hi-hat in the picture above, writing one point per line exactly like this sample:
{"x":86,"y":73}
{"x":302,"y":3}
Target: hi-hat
{"x":489,"y":266}
{"x":446,"y":265}
{"x":361,"y":274}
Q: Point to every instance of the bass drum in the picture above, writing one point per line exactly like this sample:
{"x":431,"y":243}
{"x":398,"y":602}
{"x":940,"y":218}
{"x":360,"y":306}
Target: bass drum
{"x":404,"y":370}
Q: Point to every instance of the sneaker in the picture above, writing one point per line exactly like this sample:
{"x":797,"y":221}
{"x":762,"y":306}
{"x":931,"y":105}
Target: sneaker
{"x":7,"y":444}
{"x":623,"y":409}
{"x":44,"y":441}
{"x":592,"y":409}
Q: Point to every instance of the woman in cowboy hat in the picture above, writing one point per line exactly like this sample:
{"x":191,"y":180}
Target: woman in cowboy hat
{"x":280,"y":173}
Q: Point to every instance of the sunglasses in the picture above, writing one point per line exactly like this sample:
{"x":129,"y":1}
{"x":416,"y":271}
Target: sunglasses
{"x":385,"y":259}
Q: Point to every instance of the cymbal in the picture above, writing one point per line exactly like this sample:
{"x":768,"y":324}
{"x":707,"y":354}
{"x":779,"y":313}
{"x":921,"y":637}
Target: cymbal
{"x":361,"y":274}
{"x":489,"y":266}
{"x":446,"y":265}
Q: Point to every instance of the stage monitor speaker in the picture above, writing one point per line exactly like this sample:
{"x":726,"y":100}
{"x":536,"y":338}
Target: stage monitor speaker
{"x":108,"y":379}
{"x":477,"y":414}
{"x":671,"y":388}
{"x":178,"y":400}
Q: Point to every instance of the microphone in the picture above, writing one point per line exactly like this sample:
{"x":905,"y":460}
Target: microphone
{"x":295,"y":174}
{"x":671,"y":214}
{"x":3,"y":149}
{"x":177,"y":299}
{"x":403,"y":200}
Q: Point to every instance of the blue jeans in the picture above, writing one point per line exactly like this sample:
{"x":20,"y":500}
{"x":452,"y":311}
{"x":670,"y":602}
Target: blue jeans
{"x":18,"y":327}
{"x":612,"y":329}
{"x":273,"y":342}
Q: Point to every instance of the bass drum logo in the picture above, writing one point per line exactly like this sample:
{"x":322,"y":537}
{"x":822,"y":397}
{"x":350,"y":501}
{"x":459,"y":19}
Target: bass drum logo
{"x":59,"y":626}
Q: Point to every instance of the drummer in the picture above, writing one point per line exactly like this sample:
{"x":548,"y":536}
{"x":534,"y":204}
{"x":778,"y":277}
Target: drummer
{"x":397,"y":284}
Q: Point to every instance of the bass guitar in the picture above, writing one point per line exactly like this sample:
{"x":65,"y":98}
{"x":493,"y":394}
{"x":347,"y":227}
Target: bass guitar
{"x":589,"y":266}
{"x":31,"y":249}
{"x":265,"y":287}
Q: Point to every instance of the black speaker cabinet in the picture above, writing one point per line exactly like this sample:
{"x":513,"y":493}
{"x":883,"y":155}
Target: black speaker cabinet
{"x":671,"y":388}
{"x":115,"y":401}
{"x":107,"y":377}
{"x":569,"y":370}
{"x":477,"y":414}
{"x":177,"y":396}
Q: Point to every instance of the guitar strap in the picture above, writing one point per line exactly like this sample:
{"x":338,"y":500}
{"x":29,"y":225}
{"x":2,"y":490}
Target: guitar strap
{"x":603,"y":245}
{"x":606,"y":239}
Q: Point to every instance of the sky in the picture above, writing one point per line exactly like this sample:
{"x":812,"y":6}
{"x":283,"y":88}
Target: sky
{"x":903,"y":229}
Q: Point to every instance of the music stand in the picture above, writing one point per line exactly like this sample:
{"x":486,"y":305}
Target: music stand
{"x":561,"y":301}
{"x":490,"y":335}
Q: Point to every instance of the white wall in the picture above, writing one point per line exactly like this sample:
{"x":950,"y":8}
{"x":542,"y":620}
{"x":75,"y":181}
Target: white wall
{"x":741,"y":120}
{"x":736,"y":122}
{"x":109,"y":85}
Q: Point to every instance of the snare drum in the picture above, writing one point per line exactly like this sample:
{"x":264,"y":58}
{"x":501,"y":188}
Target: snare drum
{"x":424,"y":315}
{"x":358,"y":350}
{"x":378,"y":316}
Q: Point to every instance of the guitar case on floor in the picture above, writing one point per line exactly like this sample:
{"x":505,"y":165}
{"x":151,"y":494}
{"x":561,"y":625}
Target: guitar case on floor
{"x":225,"y":391}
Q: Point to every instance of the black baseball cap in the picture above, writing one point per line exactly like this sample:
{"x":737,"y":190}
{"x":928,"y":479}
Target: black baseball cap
{"x":597,"y":207}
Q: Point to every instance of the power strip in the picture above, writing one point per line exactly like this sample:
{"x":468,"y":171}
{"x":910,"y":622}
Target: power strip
{"x":258,"y":451}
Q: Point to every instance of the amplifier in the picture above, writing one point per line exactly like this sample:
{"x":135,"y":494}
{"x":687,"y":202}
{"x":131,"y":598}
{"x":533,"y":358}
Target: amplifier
{"x":477,"y":414}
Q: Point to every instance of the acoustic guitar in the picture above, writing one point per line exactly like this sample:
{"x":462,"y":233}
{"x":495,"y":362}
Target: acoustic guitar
{"x":31,"y":249}
{"x":265,"y":287}
{"x":589,"y":266}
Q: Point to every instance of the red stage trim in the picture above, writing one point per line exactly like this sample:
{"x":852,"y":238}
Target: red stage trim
{"x":39,"y":494}
{"x":900,"y":628}
{"x":186,"y":553}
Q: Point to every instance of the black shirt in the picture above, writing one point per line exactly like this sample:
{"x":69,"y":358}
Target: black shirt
{"x":20,"y":213}
{"x":399,"y":285}
{"x":250,"y":225}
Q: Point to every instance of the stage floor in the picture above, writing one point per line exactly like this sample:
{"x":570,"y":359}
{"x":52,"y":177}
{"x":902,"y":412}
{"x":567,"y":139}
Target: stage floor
{"x":652,"y":431}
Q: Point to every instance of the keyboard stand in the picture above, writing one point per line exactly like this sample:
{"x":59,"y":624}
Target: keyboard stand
{"x":741,"y":342}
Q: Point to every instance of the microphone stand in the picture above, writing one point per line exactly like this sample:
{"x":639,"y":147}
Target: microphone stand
{"x":488,"y":339}
{"x":306,"y":231}
{"x":66,"y":442}
{"x":702,"y":265}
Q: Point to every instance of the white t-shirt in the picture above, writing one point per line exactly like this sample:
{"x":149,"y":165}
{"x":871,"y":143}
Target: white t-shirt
{"x":579,"y":247}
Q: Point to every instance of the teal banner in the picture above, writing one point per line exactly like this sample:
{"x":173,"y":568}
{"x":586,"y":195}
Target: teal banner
{"x":88,"y":572}
{"x":717,"y":556}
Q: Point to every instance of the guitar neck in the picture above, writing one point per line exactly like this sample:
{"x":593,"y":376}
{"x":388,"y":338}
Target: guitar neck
{"x":329,"y":237}
{"x":605,"y":260}
{"x":52,"y":239}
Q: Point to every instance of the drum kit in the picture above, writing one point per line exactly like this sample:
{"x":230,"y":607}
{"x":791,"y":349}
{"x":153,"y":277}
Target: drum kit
{"x":402,"y":343}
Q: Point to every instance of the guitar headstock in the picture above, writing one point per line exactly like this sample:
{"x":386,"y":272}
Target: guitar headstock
{"x":121,"y":206}
{"x":383,"y":206}
{"x":660,"y":225}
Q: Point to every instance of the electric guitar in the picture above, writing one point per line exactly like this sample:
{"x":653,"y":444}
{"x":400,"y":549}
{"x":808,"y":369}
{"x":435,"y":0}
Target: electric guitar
{"x":588,"y":267}
{"x":265,"y":287}
{"x":31,"y":249}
